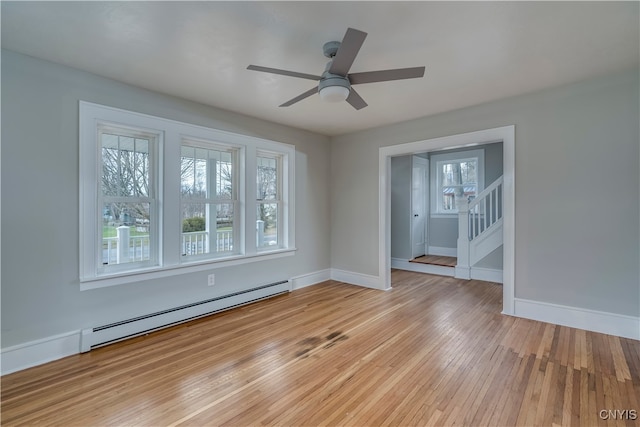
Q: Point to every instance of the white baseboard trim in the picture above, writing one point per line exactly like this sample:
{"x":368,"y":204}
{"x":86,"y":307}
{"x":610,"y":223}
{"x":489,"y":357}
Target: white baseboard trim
{"x":580,"y":318}
{"x":486,"y":274}
{"x":403,"y":264}
{"x":441,"y":251}
{"x":38,"y":352}
{"x":310,"y":279}
{"x":358,"y":279}
{"x":462,"y":272}
{"x":34,"y":353}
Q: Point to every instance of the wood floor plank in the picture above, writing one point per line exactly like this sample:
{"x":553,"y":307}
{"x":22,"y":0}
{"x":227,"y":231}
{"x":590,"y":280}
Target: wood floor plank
{"x":445,"y":261}
{"x":431,"y":351}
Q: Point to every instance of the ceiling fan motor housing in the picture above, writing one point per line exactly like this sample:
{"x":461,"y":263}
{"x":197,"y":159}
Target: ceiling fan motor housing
{"x":330,"y":49}
{"x":329,"y":79}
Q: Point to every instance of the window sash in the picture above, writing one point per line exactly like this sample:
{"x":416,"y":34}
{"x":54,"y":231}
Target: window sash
{"x":137,"y":245}
{"x":445,"y":188}
{"x":210,"y":242}
{"x":446,"y":201}
{"x":270,"y":196}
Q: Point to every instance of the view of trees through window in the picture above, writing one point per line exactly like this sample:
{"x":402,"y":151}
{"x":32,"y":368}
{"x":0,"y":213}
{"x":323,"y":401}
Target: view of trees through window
{"x":268,"y":200}
{"x":207,"y":191}
{"x":457,"y":179}
{"x":126,"y":194}
{"x":207,"y":194}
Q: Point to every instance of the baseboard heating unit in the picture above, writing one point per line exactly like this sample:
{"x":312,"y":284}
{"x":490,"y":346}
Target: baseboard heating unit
{"x":107,"y":334}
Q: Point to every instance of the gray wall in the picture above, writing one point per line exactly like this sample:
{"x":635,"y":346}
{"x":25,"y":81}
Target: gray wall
{"x":40,"y":289}
{"x":401,"y":171}
{"x":576,"y":156}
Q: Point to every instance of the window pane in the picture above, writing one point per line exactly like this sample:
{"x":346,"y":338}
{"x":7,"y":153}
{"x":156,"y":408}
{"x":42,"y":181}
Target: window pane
{"x":450,"y":174}
{"x":125,"y":233}
{"x":224,"y":227}
{"x":450,"y":193}
{"x":224,"y":178}
{"x":187,"y":170}
{"x":267,"y":178}
{"x":470,"y":191}
{"x":448,"y":202}
{"x":207,"y":228}
{"x":195,"y":236}
{"x":267,"y":225}
{"x":206,"y":173}
{"x":125,"y":166}
{"x":200,"y":173}
{"x":468,"y":171}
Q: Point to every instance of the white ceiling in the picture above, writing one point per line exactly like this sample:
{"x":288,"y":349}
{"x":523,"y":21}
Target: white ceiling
{"x":474,"y":52}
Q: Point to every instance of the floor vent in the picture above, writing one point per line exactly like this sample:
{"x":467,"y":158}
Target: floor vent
{"x":118,"y":331}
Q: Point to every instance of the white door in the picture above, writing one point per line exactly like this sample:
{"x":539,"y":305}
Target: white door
{"x":419,"y":200}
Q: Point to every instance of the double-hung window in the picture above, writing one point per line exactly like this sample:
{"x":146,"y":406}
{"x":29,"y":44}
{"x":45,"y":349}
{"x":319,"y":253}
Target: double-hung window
{"x":455,"y":176}
{"x":268,"y":200}
{"x":209,"y":199}
{"x":127,"y":204}
{"x":160,"y":197}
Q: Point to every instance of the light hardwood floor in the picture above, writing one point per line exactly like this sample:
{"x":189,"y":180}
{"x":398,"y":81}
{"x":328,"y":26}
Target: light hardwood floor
{"x":432,"y":351}
{"x":445,"y":261}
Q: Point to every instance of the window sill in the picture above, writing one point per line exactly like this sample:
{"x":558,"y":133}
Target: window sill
{"x":192,"y":267}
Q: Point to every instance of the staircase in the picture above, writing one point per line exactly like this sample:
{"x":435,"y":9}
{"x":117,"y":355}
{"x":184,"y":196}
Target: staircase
{"x":479,"y":227}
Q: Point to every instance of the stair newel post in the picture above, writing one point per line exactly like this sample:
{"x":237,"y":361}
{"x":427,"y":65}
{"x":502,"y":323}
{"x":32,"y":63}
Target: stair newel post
{"x":463,"y":270}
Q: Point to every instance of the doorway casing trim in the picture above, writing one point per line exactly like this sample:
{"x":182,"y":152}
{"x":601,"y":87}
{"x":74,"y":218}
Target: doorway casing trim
{"x":506,"y":135}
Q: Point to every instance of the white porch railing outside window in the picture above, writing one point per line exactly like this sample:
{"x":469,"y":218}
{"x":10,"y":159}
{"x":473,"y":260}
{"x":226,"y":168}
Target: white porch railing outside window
{"x":138,"y":249}
{"x":193,"y":243}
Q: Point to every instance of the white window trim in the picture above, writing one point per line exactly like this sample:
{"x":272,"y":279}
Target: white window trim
{"x":172,"y":133}
{"x":433,"y":179}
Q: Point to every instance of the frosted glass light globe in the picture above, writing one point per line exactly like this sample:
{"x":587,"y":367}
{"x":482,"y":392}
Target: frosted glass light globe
{"x":334,"y":93}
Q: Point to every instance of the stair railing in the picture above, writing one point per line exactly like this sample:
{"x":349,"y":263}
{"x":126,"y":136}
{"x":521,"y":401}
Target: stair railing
{"x":486,"y":209}
{"x":476,"y":217}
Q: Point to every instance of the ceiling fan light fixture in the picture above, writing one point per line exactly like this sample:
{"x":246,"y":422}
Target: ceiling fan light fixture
{"x":334,"y":93}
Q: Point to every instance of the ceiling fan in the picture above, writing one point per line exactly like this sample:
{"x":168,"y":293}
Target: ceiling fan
{"x":335,"y":84}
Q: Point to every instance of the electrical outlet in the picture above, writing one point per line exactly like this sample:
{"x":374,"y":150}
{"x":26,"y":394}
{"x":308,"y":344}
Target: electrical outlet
{"x":211,"y":280}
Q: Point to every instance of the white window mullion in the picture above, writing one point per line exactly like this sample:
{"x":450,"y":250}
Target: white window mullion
{"x":279,"y":205}
{"x":212,"y":209}
{"x":240,"y":204}
{"x":288,"y":199}
{"x":170,"y":206}
{"x":251,"y":205}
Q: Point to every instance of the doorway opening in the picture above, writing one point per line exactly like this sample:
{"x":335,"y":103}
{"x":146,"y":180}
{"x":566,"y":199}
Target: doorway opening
{"x":506,"y":135}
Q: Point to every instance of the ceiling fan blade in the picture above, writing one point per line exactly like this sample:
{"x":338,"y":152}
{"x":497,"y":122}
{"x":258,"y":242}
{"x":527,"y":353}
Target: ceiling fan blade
{"x":283,"y":72}
{"x":386,"y":75}
{"x":356,"y":100}
{"x":349,"y":48}
{"x":300,"y":97}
